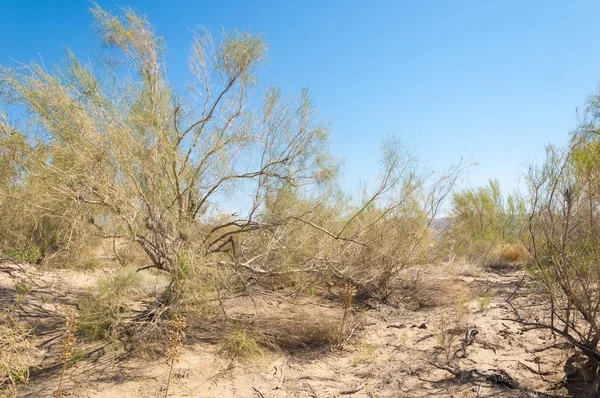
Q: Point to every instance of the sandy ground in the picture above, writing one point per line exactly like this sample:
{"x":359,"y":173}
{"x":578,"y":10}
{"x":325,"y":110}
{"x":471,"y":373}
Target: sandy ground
{"x":392,"y":353}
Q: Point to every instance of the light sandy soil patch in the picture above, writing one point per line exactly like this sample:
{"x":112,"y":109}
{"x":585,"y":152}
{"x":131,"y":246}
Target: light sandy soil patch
{"x":395,"y":352}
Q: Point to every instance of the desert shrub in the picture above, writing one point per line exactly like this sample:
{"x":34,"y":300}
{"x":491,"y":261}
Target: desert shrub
{"x":129,"y":254}
{"x":365,"y":241}
{"x":16,"y":353}
{"x":240,"y":343}
{"x":136,"y":159}
{"x":107,"y":306}
{"x":450,"y":327}
{"x":514,"y":253}
{"x":34,"y":226}
{"x":564,"y":234}
{"x":31,"y":255}
{"x":484,"y":224}
{"x":419,"y":288}
{"x":85,"y":263}
{"x":297,"y":333}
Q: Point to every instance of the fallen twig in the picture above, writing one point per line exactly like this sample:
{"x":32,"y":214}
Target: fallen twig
{"x":350,"y":335}
{"x":354,"y":390}
{"x":499,"y":377}
{"x":314,"y":393}
{"x":401,"y":326}
{"x":537,"y":372}
{"x":221,"y":372}
{"x":260,"y":394}
{"x":427,"y":336}
{"x":282,"y":377}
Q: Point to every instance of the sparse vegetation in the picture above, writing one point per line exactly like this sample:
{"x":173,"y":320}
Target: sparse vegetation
{"x":487,"y":227}
{"x":107,"y":305}
{"x":364,"y":353}
{"x":349,"y":292}
{"x":24,"y":255}
{"x":239,"y":343}
{"x":450,"y":328}
{"x":16,"y":351}
{"x":217,"y":215}
{"x":175,"y":348}
{"x":563,"y":238}
{"x":483,"y":303}
{"x":67,"y":347}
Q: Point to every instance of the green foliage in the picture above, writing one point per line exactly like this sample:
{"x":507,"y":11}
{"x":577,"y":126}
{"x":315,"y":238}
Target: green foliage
{"x":106,"y":306}
{"x":118,"y":146}
{"x":240,"y":344}
{"x":195,"y":288}
{"x":483,"y":220}
{"x":564,"y":233}
{"x":22,"y":287}
{"x":483,"y":303}
{"x":25,"y":255}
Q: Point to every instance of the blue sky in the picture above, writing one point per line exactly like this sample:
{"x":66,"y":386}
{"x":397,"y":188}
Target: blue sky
{"x":489,"y":80}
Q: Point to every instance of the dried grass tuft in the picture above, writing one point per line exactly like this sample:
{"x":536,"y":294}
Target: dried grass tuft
{"x":16,"y":353}
{"x":514,"y":253}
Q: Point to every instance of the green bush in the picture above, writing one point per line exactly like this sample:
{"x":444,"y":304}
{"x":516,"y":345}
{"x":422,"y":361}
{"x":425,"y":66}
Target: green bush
{"x":484,"y":221}
{"x":241,"y":344}
{"x":105,"y":309}
{"x":26,"y":255}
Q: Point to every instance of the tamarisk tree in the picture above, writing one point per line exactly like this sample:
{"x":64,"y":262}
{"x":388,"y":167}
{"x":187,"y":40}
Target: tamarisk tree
{"x":149,"y":163}
{"x":564,"y":234}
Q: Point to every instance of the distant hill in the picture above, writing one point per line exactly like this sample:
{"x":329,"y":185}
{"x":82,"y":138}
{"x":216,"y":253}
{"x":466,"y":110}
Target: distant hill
{"x":441,"y":223}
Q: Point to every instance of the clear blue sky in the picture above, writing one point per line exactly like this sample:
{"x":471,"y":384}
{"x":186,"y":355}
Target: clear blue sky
{"x":491,"y":80}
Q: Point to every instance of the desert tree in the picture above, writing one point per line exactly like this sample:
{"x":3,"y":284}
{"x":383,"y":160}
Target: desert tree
{"x":143,"y":161}
{"x":365,"y":240}
{"x":483,"y":218}
{"x":564,"y":237}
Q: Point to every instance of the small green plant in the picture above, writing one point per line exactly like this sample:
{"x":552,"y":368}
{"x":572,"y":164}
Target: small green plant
{"x":450,"y":327}
{"x":104,"y":309}
{"x":77,"y":356}
{"x":26,"y":255}
{"x":403,"y":339}
{"x":67,"y":346}
{"x":22,"y":287}
{"x":241,"y":344}
{"x":483,"y":303}
{"x":175,"y":348}
{"x":365,"y":353}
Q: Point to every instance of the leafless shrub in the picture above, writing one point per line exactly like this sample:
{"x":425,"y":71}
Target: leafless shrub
{"x":564,"y":232}
{"x":364,"y":242}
